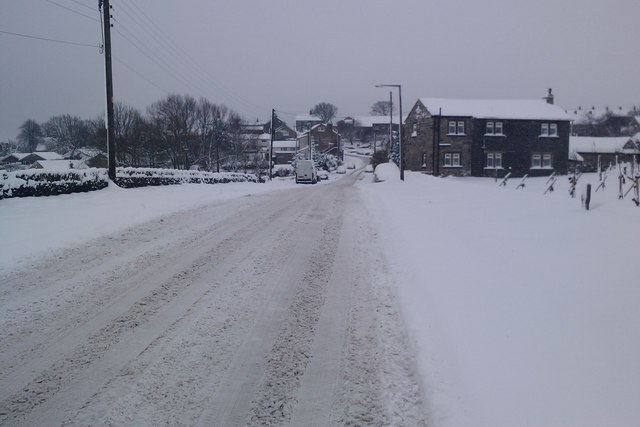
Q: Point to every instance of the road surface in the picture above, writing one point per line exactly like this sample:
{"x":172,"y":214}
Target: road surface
{"x":266,"y":310}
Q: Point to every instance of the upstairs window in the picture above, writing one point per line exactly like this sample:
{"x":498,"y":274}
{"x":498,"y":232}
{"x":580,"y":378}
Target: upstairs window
{"x":544,"y":129}
{"x":498,"y":128}
{"x":549,"y":129}
{"x":493,"y":128}
{"x":489,"y":130}
{"x":456,"y":127}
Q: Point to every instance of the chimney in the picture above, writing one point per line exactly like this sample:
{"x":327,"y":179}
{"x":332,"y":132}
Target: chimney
{"x":549,"y":97}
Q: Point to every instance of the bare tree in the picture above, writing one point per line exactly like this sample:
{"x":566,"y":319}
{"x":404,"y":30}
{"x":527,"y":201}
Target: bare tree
{"x":30,"y":135}
{"x":175,"y":118}
{"x":129,"y":129}
{"x":69,"y":132}
{"x":212,"y":130}
{"x":382,"y":108}
{"x":325,"y":111}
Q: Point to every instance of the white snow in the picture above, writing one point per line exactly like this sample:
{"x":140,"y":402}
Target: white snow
{"x":524,"y":307}
{"x":34,"y":226}
{"x":514,"y":109}
{"x":593,"y":144}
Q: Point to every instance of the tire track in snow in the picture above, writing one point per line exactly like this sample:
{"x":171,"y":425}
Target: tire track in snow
{"x":66,"y":369}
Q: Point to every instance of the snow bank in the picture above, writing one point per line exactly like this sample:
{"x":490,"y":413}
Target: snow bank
{"x":387,"y":172}
{"x":34,"y":226}
{"x":523,"y":306}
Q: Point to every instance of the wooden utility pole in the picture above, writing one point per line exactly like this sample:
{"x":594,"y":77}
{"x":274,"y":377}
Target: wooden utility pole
{"x":111,"y":132}
{"x":272,"y":132}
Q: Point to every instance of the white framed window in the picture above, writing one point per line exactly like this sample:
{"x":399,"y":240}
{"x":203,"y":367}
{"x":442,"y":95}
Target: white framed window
{"x":544,"y":129}
{"x":536,"y":161}
{"x":424,"y":160}
{"x":452,"y":127}
{"x":498,"y":128}
{"x":489,"y":128}
{"x":321,"y":129}
{"x":460,"y":128}
{"x":546,"y":161}
{"x":494,"y":161}
{"x":414,"y":132}
{"x":549,"y":129}
{"x":451,"y":159}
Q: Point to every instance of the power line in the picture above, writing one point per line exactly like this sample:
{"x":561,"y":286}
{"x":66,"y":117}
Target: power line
{"x":71,"y":10}
{"x":160,"y":37}
{"x":166,"y":68}
{"x":142,"y":76}
{"x":83,"y":5}
{"x":48,"y":39}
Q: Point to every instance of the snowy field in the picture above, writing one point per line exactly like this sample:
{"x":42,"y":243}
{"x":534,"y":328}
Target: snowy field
{"x":524,"y":307}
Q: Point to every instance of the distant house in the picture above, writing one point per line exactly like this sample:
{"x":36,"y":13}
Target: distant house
{"x":13,"y":158}
{"x":589,"y":151}
{"x":284,"y":151}
{"x":41,"y":155}
{"x":284,"y":132}
{"x":486,"y":137}
{"x":305,"y":121}
{"x":82,"y":153}
{"x":324,"y":139}
{"x":375,"y":128}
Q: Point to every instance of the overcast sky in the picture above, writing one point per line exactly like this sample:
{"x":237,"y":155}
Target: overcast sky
{"x":254,"y":55}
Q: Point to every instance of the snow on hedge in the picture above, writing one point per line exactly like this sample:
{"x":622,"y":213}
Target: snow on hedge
{"x":40,"y":182}
{"x":44,"y":182}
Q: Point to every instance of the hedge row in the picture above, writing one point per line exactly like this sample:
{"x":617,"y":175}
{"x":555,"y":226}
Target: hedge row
{"x":143,"y":177}
{"x":38,"y":182}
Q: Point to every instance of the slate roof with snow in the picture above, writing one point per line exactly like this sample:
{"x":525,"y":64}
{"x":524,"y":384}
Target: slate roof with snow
{"x":59,"y":165}
{"x":287,"y":143}
{"x":47,"y":155}
{"x":369,"y":121}
{"x":526,"y":109}
{"x":18,"y":156}
{"x":592,"y":144}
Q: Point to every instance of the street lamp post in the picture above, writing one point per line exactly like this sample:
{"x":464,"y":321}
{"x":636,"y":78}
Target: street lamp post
{"x":400,"y":143}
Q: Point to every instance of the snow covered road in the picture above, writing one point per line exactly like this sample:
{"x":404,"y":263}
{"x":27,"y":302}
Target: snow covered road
{"x":273,"y":309}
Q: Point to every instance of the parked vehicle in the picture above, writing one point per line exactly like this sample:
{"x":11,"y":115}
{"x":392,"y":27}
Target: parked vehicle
{"x":368,"y":169}
{"x":323,"y":175}
{"x":341,"y":169}
{"x":306,"y":172}
{"x":351,"y":165}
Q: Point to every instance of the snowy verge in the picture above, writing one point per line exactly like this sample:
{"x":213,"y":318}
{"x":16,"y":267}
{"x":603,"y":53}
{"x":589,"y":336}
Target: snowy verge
{"x":34,"y":226}
{"x":523,"y":306}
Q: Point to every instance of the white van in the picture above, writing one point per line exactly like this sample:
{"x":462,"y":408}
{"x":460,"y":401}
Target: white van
{"x":306,"y":172}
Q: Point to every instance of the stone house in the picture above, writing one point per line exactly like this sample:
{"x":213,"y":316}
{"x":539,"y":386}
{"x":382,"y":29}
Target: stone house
{"x":324,"y":138}
{"x":305,"y":121}
{"x":487,"y":137}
